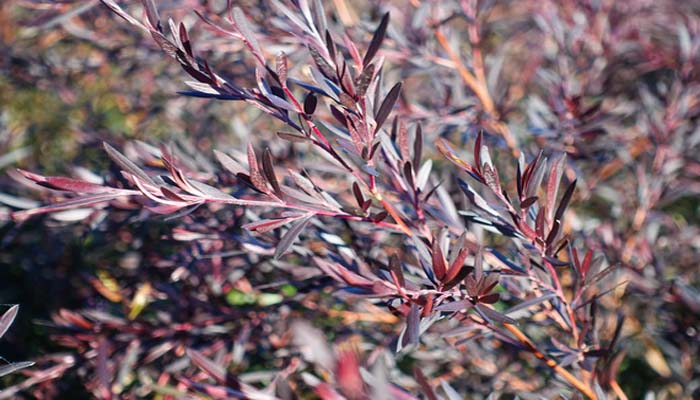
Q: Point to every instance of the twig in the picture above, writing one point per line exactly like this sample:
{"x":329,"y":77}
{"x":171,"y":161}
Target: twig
{"x":561,"y":371}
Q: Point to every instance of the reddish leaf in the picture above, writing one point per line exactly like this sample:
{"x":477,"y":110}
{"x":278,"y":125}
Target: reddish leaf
{"x":67,"y":184}
{"x":396,"y":271}
{"x":256,"y":177}
{"x":457,"y":264}
{"x":525,"y":204}
{"x":347,"y":373}
{"x":425,"y":386}
{"x":553,"y":182}
{"x":439,"y":262}
{"x":489,"y":298}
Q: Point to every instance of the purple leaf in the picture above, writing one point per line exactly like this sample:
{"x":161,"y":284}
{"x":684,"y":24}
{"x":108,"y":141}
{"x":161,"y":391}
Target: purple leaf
{"x":126,"y":164}
{"x":564,"y":203}
{"x":412,"y":333}
{"x":492,"y":315}
{"x":291,"y":235}
{"x":387,"y":106}
{"x":377,"y":39}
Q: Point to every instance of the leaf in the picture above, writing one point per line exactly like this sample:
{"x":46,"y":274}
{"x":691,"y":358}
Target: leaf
{"x":292,"y":137}
{"x":528,"y":202}
{"x":358,"y":194}
{"x":492,"y":315}
{"x":210,"y":192}
{"x":212,"y":370}
{"x":269,"y":171}
{"x":185,"y":39}
{"x":266,"y":225}
{"x":243,"y":27}
{"x":489,"y":298}
{"x":479,"y":263}
{"x":291,"y":235}
{"x":396,"y":271}
{"x":343,"y":275}
{"x":282,"y":68}
{"x":455,"y":306}
{"x":229,"y":163}
{"x":14,"y":367}
{"x":529,"y":303}
{"x":76,"y":202}
{"x":310,"y":103}
{"x":585,"y":265}
{"x":462,"y":273}
{"x":126,"y":164}
{"x":439,"y":262}
{"x":18,"y":202}
{"x":539,"y":223}
{"x":66,"y":184}
{"x":564,"y":203}
{"x":7,"y":318}
{"x":477,"y":150}
{"x":387,"y":106}
{"x":424,"y":174}
{"x":326,"y":69}
{"x":256,"y":177}
{"x":115,"y":8}
{"x":476,"y":199}
{"x":552,"y":235}
{"x":449,"y":391}
{"x":408,"y":174}
{"x":553,"y":182}
{"x":488,"y":283}
{"x":152,"y":14}
{"x":425,"y":386}
{"x":418,"y":145}
{"x":364,"y":80}
{"x":377,"y":39}
{"x":536,"y":175}
{"x":448,"y":152}
{"x":412,"y":333}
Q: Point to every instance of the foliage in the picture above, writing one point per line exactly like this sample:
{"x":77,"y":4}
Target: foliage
{"x":474,"y":198}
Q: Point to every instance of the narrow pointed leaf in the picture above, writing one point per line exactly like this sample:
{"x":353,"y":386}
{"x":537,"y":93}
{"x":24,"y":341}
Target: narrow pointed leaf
{"x":126,"y":164}
{"x":377,"y":39}
{"x":387,"y":106}
{"x":14,"y":367}
{"x":564,"y":203}
{"x":7,"y":318}
{"x":291,"y":235}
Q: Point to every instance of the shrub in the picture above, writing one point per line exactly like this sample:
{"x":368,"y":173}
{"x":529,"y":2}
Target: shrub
{"x":470,"y":263}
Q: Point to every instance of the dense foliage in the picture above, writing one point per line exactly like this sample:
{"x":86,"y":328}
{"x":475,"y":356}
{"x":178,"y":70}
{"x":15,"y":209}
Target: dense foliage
{"x":391,"y":200}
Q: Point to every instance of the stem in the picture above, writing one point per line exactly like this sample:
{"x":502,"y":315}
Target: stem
{"x":618,"y":390}
{"x":561,"y":371}
{"x":481,"y":92}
